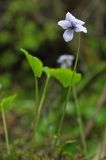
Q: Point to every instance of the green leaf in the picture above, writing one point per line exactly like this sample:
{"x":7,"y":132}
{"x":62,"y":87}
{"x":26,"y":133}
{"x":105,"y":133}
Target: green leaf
{"x":7,"y":102}
{"x":47,"y":71}
{"x":35,"y":64}
{"x":64,"y":76}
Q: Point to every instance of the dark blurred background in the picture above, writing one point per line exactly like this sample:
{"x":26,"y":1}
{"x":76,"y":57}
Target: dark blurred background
{"x":32,"y":25}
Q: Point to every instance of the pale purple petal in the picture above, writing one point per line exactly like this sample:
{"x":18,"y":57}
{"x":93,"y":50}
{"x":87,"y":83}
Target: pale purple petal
{"x":68,"y":35}
{"x":64,"y":24}
{"x":65,"y":57}
{"x":80,"y":28}
{"x":70,"y":17}
{"x":80,"y":22}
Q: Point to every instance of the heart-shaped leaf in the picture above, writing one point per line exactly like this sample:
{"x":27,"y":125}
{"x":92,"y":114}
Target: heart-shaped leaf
{"x":7,"y":102}
{"x":66,"y":76}
{"x":47,"y":71}
{"x":35,"y":63}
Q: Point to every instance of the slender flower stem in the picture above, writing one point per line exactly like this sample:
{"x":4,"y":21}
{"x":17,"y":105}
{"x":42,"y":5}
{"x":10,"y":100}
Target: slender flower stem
{"x":36,"y":97}
{"x":1,"y":151}
{"x":36,"y":103}
{"x":80,"y":121}
{"x":40,"y":105}
{"x":67,"y":96}
{"x":5,"y":130}
{"x":36,"y":91}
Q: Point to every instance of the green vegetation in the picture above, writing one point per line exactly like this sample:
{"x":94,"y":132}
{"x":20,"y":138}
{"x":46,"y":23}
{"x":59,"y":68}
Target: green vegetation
{"x":48,"y":112}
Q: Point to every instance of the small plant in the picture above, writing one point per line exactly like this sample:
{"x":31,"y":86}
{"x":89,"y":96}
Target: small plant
{"x":71,"y":25}
{"x":64,"y":74}
{"x":5,"y":104}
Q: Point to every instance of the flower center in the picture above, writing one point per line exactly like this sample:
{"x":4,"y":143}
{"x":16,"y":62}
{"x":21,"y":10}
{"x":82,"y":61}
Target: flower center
{"x":72,"y":27}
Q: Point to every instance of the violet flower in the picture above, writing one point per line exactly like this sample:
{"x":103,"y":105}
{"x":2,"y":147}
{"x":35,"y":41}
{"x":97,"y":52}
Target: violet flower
{"x":65,"y":60}
{"x":71,"y":25}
